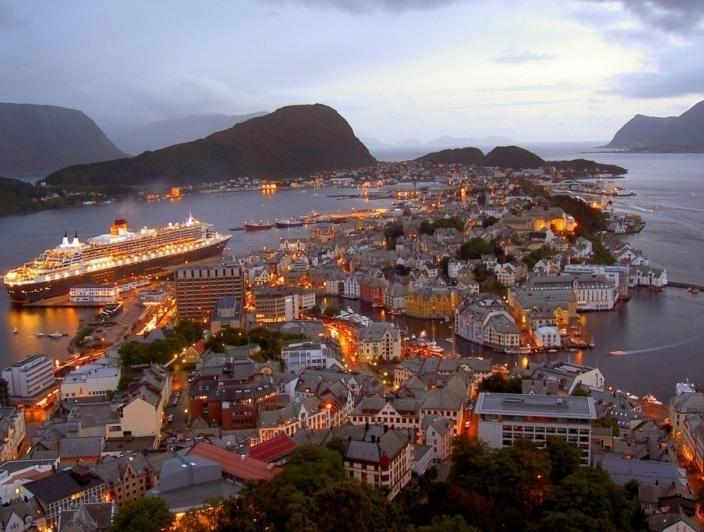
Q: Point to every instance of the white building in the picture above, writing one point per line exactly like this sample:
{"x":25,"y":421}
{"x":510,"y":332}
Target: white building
{"x":379,"y":340}
{"x":547,"y":337}
{"x":647,"y":276}
{"x":94,"y":294}
{"x":352,"y":287}
{"x":91,"y":380}
{"x":29,"y":377}
{"x":307,"y":355}
{"x":395,"y":297}
{"x":506,"y":417}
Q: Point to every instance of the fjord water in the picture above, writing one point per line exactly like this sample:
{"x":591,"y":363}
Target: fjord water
{"x":661,"y":334}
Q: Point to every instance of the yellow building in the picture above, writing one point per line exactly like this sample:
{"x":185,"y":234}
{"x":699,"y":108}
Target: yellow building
{"x":432,"y":303}
{"x":542,"y":219}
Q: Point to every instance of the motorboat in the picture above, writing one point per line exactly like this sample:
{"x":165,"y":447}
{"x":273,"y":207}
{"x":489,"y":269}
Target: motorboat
{"x":15,"y":331}
{"x":55,"y":334}
{"x":616,"y":353}
{"x":39,"y":334}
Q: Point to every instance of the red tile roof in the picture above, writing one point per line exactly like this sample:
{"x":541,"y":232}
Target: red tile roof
{"x":239,"y":466}
{"x":273,"y":449}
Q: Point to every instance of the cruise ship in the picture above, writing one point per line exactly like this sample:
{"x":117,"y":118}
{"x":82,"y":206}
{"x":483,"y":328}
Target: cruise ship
{"x":111,"y":257}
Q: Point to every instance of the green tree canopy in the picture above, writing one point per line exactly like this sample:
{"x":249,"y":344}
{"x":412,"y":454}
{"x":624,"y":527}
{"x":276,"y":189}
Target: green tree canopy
{"x":147,"y":514}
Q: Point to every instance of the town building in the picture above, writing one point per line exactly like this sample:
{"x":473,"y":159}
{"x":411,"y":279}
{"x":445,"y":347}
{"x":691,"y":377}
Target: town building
{"x":12,"y":432}
{"x":199,"y":287}
{"x":28,"y":378}
{"x":65,"y":490}
{"x":484,"y":320}
{"x":592,"y":291}
{"x":300,"y":356}
{"x":228,"y":313}
{"x":432,"y":302}
{"x":94,"y":294}
{"x":505,"y":418}
{"x":279,"y":304}
{"x":569,"y":377}
{"x":96,"y":379}
{"x":381,"y":457}
{"x":379,"y":340}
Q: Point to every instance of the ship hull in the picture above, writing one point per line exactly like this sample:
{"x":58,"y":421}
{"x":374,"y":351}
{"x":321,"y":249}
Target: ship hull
{"x":29,"y":293}
{"x":286,"y":225}
{"x":258,"y":227}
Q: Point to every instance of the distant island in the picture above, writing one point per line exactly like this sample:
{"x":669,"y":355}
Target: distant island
{"x":43,"y":138}
{"x":518,"y":158}
{"x":673,"y":134}
{"x":292,"y":141}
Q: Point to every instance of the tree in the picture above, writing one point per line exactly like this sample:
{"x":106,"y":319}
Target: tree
{"x":489,"y":221}
{"x":392,"y":231}
{"x":148,"y":514}
{"x":565,"y":458}
{"x":352,"y":505}
{"x":447,"y":523}
{"x":331,"y":312}
{"x":609,"y":423}
{"x":500,"y":384}
{"x":474,"y":248}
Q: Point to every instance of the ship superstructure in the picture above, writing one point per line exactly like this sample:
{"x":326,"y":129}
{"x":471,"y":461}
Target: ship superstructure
{"x":116,"y":255}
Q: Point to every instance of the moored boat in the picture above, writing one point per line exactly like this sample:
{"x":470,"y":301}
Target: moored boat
{"x":55,"y":334}
{"x":261,"y":225}
{"x":289,"y":222}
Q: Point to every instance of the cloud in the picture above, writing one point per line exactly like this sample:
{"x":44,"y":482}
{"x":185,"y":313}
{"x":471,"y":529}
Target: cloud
{"x":369,"y":6}
{"x":674,"y":71}
{"x":518,"y":57}
{"x":8,"y":19}
{"x":672,"y":16}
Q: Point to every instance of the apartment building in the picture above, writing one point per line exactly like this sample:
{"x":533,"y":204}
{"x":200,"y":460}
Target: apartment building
{"x":199,"y":287}
{"x":29,"y":377}
{"x":505,"y":418}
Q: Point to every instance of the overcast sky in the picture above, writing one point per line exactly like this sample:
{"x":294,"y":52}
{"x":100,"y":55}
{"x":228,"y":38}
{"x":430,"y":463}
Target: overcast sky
{"x":533,"y":70}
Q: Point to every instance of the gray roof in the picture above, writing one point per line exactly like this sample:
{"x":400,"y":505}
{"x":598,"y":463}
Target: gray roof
{"x":61,"y":485}
{"x":512,"y":404}
{"x":81,"y":446}
{"x":622,"y":470}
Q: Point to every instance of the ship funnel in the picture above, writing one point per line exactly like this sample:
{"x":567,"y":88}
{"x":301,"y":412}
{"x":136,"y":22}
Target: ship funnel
{"x":64,"y":242}
{"x":75,"y":241}
{"x":190,"y":218}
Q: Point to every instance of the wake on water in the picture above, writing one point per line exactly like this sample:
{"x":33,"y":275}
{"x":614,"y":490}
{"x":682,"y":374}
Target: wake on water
{"x":662,"y":347}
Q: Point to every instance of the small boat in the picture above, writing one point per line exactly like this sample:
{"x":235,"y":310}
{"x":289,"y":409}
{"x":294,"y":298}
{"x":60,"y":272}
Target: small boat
{"x":377,"y":305}
{"x":258,"y":226}
{"x":450,"y":340}
{"x":693,"y":290}
{"x":616,"y":353}
{"x":654,"y":289}
{"x":15,"y":331}
{"x":55,"y":334}
{"x":695,"y":195}
{"x":552,"y":350}
{"x":39,"y":334}
{"x":651,"y":399}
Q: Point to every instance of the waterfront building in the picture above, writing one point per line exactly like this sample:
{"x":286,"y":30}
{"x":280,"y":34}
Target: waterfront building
{"x":618,"y":273}
{"x":94,"y":294}
{"x":648,"y":276}
{"x":395,"y":297}
{"x":506,"y":417}
{"x":351,"y":286}
{"x":484,"y":320}
{"x":432,"y":302}
{"x":199,"y":288}
{"x":372,"y":289}
{"x":379,"y":340}
{"x":547,"y":337}
{"x":693,"y":440}
{"x":592,"y":291}
{"x":568,"y":376}
{"x":97,"y":379}
{"x":382,"y":458}
{"x":30,"y":377}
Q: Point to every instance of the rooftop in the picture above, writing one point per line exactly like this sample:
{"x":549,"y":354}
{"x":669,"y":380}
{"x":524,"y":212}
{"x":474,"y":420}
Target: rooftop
{"x":535,"y":405}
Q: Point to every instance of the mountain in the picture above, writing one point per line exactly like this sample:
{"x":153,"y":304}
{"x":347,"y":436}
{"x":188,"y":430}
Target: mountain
{"x":674,"y":133}
{"x":473,"y":156}
{"x":156,"y":135}
{"x":41,"y":138}
{"x":513,"y":157}
{"x":519,"y":159}
{"x":292,"y":141}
